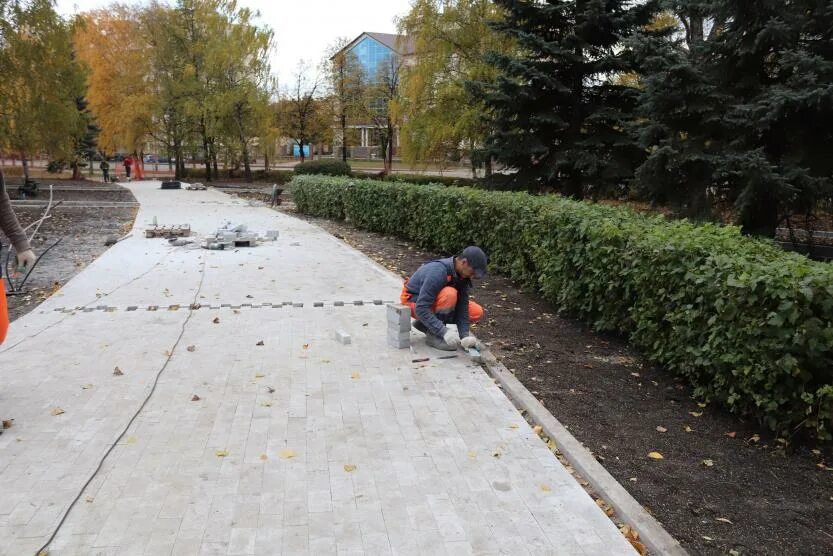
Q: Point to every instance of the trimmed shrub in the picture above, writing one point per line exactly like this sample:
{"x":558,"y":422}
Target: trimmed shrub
{"x":421,"y":179}
{"x":271,"y":176}
{"x":327,"y":167}
{"x":747,"y":324}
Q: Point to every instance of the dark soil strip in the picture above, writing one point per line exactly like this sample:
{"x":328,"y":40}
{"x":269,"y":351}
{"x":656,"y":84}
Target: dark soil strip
{"x":84,"y":232}
{"x":723,"y":487}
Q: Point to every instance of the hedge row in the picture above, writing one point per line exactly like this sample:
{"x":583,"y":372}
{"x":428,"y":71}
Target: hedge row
{"x":749,"y":326}
{"x":327,"y":167}
{"x":271,"y":176}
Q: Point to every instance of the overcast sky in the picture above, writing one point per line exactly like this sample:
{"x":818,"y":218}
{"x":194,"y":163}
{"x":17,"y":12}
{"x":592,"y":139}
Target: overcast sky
{"x":303,"y":28}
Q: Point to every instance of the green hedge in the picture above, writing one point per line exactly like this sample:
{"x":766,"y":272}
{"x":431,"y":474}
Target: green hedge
{"x":422,"y":179}
{"x":750,"y":326}
{"x":271,"y":176}
{"x":327,"y":167}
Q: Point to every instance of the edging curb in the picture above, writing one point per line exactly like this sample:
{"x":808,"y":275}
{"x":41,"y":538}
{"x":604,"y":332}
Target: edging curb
{"x":651,"y":533}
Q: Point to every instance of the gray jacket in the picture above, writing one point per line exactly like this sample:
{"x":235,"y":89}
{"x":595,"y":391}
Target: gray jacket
{"x":9,"y":224}
{"x":425,"y":285}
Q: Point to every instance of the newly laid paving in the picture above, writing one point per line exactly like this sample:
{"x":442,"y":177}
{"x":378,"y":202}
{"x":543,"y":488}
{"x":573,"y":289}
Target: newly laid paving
{"x":264,"y":435}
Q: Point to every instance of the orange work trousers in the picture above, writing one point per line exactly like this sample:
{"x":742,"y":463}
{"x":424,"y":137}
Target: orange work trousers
{"x":446,"y":301}
{"x":4,"y":312}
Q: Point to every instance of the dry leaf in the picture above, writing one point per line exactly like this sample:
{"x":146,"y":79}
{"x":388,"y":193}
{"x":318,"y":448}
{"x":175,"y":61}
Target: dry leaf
{"x":724,"y":520}
{"x":655,"y":455}
{"x":221,"y":453}
{"x":260,"y":343}
{"x":695,"y":413}
{"x":688,"y":429}
{"x":263,"y":457}
{"x":349,"y":467}
{"x":117,"y":372}
{"x":731,"y":434}
{"x":755,"y":438}
{"x":86,"y":386}
{"x":195,"y":398}
{"x":472,"y":455}
{"x":270,"y":389}
{"x":235,"y":311}
{"x":639,"y":547}
{"x":708,"y":463}
{"x":513,"y":426}
{"x":260,"y":375}
{"x":662,"y":429}
{"x":89,"y":499}
{"x":306,"y":346}
{"x":286,"y":453}
{"x":216,"y":320}
{"x":551,"y":445}
{"x":700,"y":404}
{"x":538,"y":429}
{"x":7,"y":423}
{"x":355,"y":375}
{"x":191,"y":348}
{"x":57,"y":411}
{"x":546,"y":488}
{"x":131,"y":440}
{"x":265,"y":404}
{"x":707,"y":538}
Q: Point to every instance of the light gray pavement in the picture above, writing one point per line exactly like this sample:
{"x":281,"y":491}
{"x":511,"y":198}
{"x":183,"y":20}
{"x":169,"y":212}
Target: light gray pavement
{"x":443,"y":461}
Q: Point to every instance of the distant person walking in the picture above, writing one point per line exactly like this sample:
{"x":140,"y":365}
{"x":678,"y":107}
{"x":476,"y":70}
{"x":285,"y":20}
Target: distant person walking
{"x":128,"y":164}
{"x":105,"y":170}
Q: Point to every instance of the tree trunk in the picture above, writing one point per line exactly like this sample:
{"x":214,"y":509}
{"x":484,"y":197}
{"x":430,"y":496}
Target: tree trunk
{"x":25,"y":162}
{"x":76,"y":171}
{"x":488,"y":169}
{"x":247,"y":168}
{"x":214,"y":161}
{"x":343,"y":136}
{"x":206,"y":153}
{"x":266,"y":159}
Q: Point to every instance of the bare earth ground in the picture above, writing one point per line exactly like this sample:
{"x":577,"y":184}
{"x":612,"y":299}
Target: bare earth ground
{"x":755,"y":498}
{"x":724,"y":486}
{"x":84,"y":231}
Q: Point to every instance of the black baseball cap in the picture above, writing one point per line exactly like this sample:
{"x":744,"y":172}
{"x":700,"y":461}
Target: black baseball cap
{"x":476,"y":258}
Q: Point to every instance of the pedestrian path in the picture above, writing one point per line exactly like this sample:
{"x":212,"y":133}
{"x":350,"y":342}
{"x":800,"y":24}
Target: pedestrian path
{"x":263,"y":434}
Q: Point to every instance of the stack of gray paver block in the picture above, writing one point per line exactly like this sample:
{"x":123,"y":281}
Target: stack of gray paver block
{"x":399,"y":326}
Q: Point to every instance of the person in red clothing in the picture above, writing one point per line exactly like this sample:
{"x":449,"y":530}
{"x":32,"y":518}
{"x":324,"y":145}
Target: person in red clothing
{"x":128,"y":164}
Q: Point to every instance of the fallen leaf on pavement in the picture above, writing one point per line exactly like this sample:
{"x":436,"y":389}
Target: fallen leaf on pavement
{"x":724,"y":520}
{"x":700,"y":404}
{"x":7,"y":423}
{"x":695,"y":413}
{"x":546,"y":488}
{"x":662,"y":429}
{"x":731,"y":434}
{"x":195,"y":398}
{"x":655,"y":455}
{"x":270,"y":389}
{"x":260,"y":343}
{"x":349,"y":467}
{"x":89,"y":499}
{"x":688,"y":429}
{"x":260,"y":375}
{"x":265,"y":404}
{"x":513,"y":426}
{"x":216,"y":320}
{"x":355,"y":375}
{"x":130,"y":440}
{"x":221,"y":453}
{"x":708,"y":463}
{"x":286,"y":453}
{"x":537,"y":429}
{"x":306,"y":346}
{"x":707,"y":538}
{"x":755,"y":438}
{"x":57,"y":411}
{"x":632,"y":479}
{"x":263,"y":457}
{"x":191,"y":348}
{"x":86,"y":386}
{"x":472,"y":455}
{"x":117,"y":372}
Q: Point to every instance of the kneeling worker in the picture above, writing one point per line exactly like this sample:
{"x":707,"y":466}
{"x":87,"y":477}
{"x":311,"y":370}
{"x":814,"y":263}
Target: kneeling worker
{"x":438,"y":294}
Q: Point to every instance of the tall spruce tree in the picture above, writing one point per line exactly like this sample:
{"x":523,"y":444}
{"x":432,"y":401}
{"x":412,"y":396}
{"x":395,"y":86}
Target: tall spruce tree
{"x":775,"y":59}
{"x":557,"y":116}
{"x":680,"y":109}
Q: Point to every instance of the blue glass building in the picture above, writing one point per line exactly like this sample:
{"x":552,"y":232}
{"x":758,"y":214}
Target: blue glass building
{"x":374,"y":51}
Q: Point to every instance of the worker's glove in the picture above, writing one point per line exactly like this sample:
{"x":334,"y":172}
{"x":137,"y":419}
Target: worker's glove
{"x":452,"y":338}
{"x":26,"y":259}
{"x":469,"y":342}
